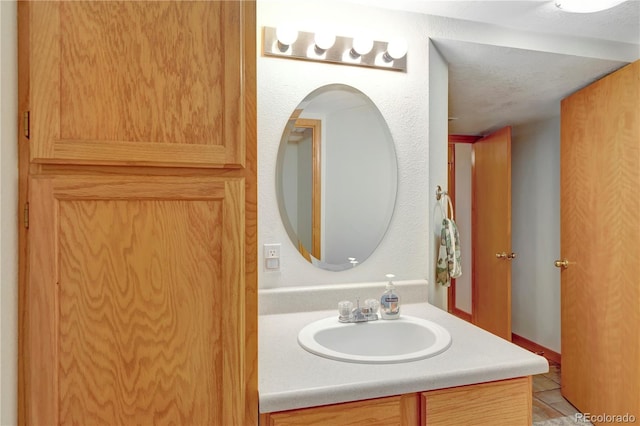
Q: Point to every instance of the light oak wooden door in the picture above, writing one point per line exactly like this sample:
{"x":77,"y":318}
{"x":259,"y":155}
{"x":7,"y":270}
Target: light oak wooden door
{"x":135,"y":303}
{"x":600,"y":241}
{"x":491,"y":223}
{"x":158,"y":83}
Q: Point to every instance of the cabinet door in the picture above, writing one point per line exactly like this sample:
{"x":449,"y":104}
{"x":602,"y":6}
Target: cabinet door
{"x":402,"y":410}
{"x":135,"y":301}
{"x":507,"y":403}
{"x":139,"y":82}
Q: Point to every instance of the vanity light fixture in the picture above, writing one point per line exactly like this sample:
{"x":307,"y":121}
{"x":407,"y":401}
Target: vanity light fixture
{"x":285,"y":37}
{"x":361,"y":46}
{"x":396,"y":49}
{"x":324,"y":40}
{"x":285,"y":42}
{"x":586,"y":6}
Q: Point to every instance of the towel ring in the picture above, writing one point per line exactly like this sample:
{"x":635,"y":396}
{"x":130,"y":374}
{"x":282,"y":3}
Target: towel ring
{"x":449,"y":207}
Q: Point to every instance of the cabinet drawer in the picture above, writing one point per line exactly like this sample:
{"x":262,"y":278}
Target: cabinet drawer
{"x":393,"y":410}
{"x":505,"y":402}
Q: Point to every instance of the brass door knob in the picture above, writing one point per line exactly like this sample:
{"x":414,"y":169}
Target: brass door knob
{"x":505,"y":256}
{"x":564,"y":263}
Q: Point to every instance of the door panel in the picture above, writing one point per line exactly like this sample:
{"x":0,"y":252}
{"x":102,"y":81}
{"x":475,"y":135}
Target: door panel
{"x":492,"y":233}
{"x":123,"y":83}
{"x":600,"y":237}
{"x":126,"y":280}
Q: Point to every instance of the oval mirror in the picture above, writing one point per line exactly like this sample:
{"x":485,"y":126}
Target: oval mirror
{"x":336,"y":177}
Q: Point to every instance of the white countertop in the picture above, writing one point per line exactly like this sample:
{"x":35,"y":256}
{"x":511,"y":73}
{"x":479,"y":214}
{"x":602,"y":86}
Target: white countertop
{"x":290,"y":377}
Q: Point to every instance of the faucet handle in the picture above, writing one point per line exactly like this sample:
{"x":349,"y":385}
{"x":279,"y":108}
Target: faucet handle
{"x":373,"y":305}
{"x":345,"y":308}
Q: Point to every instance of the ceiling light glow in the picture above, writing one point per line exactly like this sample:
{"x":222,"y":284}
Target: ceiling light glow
{"x":586,"y":6}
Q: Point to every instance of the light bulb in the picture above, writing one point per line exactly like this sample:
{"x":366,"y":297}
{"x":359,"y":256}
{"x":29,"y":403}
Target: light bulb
{"x":396,"y":49}
{"x":361,"y":46}
{"x":324,"y":40}
{"x":586,"y":6}
{"x":286,"y":35}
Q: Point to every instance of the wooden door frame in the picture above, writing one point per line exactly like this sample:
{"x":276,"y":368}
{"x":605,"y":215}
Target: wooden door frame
{"x":23,"y":196}
{"x":451,"y":177}
{"x":316,"y":182}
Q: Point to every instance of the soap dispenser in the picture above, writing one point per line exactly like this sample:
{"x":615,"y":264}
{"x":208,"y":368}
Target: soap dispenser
{"x":389,"y":302}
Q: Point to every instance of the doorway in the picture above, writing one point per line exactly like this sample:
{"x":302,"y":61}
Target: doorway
{"x":490,"y":236}
{"x":459,"y":175}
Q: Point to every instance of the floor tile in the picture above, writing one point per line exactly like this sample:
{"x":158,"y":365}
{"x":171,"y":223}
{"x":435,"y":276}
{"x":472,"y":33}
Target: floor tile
{"x":554,"y":373}
{"x":541,"y":383}
{"x":565,"y":407}
{"x":550,"y":396}
{"x":549,"y":406}
{"x":560,"y":421}
{"x":542,"y":411}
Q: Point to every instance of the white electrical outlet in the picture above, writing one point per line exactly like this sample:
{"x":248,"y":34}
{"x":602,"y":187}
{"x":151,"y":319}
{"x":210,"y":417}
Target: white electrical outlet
{"x":272,"y":251}
{"x":272,"y":257}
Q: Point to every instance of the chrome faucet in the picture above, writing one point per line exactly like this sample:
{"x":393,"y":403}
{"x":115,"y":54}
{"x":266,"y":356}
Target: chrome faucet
{"x":369,"y":312}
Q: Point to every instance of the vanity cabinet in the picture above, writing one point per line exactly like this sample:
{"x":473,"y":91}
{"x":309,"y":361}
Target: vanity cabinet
{"x":392,"y":410}
{"x":138,"y":247}
{"x":506,"y":402}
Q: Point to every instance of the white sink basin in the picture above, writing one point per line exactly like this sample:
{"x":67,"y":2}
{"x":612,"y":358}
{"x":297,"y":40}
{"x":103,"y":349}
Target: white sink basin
{"x":375,"y":342}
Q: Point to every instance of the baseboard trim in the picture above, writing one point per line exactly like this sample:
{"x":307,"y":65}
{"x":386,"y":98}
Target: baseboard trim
{"x":536,"y":348}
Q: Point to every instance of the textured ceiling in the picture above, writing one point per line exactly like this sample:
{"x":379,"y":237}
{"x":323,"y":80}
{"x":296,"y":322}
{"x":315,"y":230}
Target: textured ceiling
{"x":620,"y":23}
{"x":491,"y":86}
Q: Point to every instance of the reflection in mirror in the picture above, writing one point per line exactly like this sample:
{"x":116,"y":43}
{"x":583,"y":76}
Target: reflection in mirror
{"x":336,"y":177}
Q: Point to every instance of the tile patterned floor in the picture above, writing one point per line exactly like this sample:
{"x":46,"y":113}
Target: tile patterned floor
{"x":549,"y":407}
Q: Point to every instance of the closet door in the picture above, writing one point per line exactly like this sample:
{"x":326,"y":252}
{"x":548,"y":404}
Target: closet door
{"x":138,"y":82}
{"x":600,"y":240}
{"x":135,"y":301}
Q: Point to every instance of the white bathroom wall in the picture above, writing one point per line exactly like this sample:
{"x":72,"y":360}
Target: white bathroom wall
{"x":8,"y":215}
{"x":438,"y":160}
{"x":401,"y":98}
{"x":414,"y":105}
{"x":535,"y":181}
{"x":463,"y":220}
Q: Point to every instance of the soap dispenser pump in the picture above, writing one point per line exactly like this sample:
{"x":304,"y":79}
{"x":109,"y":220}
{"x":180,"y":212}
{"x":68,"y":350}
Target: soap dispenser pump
{"x":389,"y":302}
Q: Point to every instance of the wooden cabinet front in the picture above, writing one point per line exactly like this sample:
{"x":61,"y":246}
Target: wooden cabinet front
{"x":136,"y":300}
{"x":138,"y":284}
{"x":139,"y":82}
{"x":506,"y":402}
{"x":394,"y":410}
